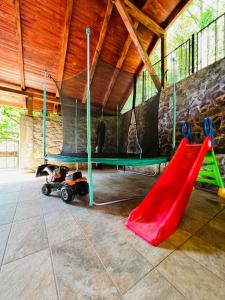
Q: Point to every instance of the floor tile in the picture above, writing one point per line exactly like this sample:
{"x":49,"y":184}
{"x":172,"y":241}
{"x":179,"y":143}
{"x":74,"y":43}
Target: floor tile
{"x":28,"y":278}
{"x":155,"y":287}
{"x":27,"y":209}
{"x":179,"y":237}
{"x":189,"y":224}
{"x":121,"y":209}
{"x":81,"y":212}
{"x":61,"y":226}
{"x":4,"y":234}
{"x":29,"y":194}
{"x":52,"y":203}
{"x":9,"y":188}
{"x":7,"y":212}
{"x":153,"y":254}
{"x":208,"y":256}
{"x":101,"y":225}
{"x":203,"y":206}
{"x":218,"y":223}
{"x":212,"y":236}
{"x":8,"y":198}
{"x":26,"y":237}
{"x":124,"y":264}
{"x":221,"y":215}
{"x":191,"y":279}
{"x":79,"y":272}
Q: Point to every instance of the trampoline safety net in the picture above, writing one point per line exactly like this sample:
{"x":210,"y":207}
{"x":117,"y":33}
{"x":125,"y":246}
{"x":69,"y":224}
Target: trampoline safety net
{"x":124,"y":134}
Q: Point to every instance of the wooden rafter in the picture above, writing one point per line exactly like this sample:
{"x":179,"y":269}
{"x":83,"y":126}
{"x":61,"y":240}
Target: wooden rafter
{"x":118,"y":66}
{"x":19,"y":41}
{"x":99,"y":44}
{"x":143,"y":18}
{"x":181,"y":6}
{"x":66,"y":31}
{"x":30,"y":93}
{"x":137,"y":42}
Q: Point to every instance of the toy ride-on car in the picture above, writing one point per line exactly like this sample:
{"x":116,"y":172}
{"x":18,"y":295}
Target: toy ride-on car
{"x":57,"y":180}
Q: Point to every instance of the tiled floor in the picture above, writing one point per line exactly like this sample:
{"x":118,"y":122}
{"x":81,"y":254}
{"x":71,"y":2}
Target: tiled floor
{"x":51,"y":250}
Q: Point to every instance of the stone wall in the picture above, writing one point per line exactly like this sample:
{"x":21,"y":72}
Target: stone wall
{"x":198,"y":96}
{"x":31,"y":138}
{"x":31,"y":143}
{"x":201,"y":94}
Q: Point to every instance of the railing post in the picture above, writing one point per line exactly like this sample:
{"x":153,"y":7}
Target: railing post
{"x":192,"y":53}
{"x":163,"y":60}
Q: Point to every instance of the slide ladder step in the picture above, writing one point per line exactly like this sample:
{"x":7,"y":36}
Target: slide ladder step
{"x":209,"y":172}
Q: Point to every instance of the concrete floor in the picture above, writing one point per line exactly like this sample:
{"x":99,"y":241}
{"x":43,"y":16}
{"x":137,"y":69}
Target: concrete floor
{"x":51,"y":250}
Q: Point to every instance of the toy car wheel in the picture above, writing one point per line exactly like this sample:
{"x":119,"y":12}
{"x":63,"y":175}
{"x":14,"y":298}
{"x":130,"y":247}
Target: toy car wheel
{"x":82,"y":188}
{"x":66,"y":194}
{"x":46,"y":189}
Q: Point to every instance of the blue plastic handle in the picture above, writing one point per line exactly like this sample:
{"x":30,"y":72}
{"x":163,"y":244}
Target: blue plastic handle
{"x":208,"y":128}
{"x":186,"y":131}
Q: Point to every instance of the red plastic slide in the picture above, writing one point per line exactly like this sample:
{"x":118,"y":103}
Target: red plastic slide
{"x":158,"y":215}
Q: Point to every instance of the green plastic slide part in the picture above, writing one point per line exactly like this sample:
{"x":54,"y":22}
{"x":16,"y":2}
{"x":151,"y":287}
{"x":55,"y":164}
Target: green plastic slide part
{"x":210,"y":172}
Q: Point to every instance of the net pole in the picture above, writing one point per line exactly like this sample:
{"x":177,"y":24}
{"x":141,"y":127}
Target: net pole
{"x":117,"y":128}
{"x":174,"y":107}
{"x":76,"y":129}
{"x":117,"y":131}
{"x":44,"y":115}
{"x":88,"y":103}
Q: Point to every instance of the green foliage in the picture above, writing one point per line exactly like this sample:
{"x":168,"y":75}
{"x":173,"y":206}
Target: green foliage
{"x":206,"y":17}
{"x":9,"y":122}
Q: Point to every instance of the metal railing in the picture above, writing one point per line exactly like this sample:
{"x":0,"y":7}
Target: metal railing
{"x":200,"y":50}
{"x":9,"y":154}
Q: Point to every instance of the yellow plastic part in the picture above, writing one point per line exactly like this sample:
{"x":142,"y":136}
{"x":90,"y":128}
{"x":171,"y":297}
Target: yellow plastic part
{"x":221,"y":193}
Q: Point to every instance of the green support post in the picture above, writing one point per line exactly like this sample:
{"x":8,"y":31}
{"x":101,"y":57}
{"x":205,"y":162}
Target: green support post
{"x":44,"y":114}
{"x":210,"y":173}
{"x":174,"y":107}
{"x":88,"y":102}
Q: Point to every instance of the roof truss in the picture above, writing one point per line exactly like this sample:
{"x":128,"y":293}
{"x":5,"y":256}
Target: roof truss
{"x":99,"y":44}
{"x":66,"y":30}
{"x":137,"y":42}
{"x":118,"y":66}
{"x":143,"y":18}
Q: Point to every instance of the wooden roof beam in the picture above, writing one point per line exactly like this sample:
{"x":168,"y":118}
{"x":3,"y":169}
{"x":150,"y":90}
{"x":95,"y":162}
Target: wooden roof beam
{"x":118,"y":66}
{"x":143,"y":18}
{"x":137,"y":42}
{"x":30,"y":93}
{"x":12,"y":104}
{"x":181,"y":6}
{"x":20,"y":45}
{"x":66,"y":31}
{"x":99,"y":44}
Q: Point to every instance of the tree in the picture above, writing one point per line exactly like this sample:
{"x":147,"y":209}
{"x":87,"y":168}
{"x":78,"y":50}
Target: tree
{"x":9,"y":122}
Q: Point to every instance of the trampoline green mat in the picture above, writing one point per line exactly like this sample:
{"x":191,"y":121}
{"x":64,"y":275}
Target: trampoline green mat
{"x":109,"y":160}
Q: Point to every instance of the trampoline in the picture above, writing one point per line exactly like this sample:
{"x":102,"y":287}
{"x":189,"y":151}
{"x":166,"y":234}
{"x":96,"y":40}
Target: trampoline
{"x":106,"y":160}
{"x":138,"y":154}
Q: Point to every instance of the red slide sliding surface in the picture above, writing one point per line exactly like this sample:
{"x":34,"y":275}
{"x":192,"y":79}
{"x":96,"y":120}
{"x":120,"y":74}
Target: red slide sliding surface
{"x":158,"y":215}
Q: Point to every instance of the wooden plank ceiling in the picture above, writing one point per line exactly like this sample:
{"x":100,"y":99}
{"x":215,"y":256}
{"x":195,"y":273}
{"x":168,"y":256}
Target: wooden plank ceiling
{"x":51,"y":34}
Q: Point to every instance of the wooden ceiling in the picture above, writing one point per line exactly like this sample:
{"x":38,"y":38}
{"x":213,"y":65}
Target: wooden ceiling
{"x":51,"y":34}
